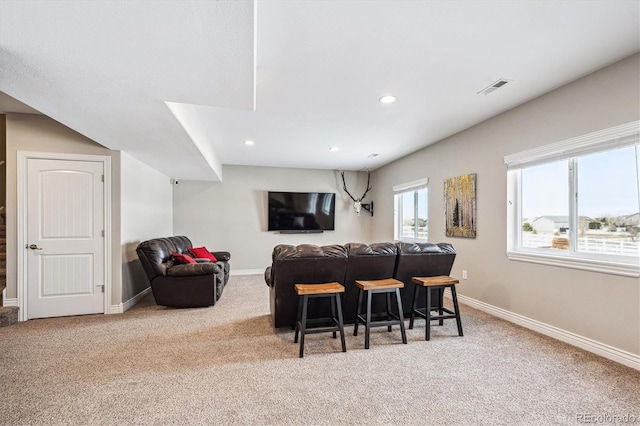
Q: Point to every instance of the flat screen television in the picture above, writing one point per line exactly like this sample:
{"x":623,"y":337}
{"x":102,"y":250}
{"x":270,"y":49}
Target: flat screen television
{"x":301,"y":211}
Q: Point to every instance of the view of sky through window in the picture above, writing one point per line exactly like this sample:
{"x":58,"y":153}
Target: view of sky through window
{"x":608,"y":183}
{"x":607,"y":186}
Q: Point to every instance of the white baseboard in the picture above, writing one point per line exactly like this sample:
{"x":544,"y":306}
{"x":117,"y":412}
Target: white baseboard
{"x":247,"y":272}
{"x":9,"y":301}
{"x":135,"y":299}
{"x":115,"y":309}
{"x":598,"y":348}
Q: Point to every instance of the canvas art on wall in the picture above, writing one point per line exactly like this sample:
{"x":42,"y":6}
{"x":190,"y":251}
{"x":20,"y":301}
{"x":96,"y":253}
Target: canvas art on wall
{"x":460,"y":206}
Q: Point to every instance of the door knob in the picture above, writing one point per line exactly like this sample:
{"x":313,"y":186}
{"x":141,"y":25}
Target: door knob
{"x":34,"y":247}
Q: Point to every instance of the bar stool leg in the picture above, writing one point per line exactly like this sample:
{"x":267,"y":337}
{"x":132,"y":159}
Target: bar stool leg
{"x":454,"y":297}
{"x":303,"y":326}
{"x":368,"y":325}
{"x":401,"y":316}
{"x":358,"y":312}
{"x":441,"y":304}
{"x":332,"y":299}
{"x":298,"y":318}
{"x":414,"y":306}
{"x":340,"y":322}
{"x":388,"y":310}
{"x":427,"y":332}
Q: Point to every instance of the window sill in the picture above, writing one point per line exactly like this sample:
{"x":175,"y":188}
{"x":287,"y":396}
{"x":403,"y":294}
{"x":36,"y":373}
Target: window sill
{"x":413,"y":240}
{"x":602,"y":266}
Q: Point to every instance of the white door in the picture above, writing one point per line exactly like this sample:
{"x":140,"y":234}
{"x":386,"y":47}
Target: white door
{"x":64,"y":238}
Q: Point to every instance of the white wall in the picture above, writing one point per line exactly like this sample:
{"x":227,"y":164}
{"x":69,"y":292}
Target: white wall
{"x":146,"y":212}
{"x":232,"y":215}
{"x":604,"y":308}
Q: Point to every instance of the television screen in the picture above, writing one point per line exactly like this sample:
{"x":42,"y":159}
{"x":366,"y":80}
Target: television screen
{"x":302,"y":211}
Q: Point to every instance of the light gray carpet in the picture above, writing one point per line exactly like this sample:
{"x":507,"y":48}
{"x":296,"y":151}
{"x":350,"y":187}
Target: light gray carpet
{"x":225,"y":365}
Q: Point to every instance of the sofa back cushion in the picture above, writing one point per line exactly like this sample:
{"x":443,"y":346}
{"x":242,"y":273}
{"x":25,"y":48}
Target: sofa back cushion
{"x":308,"y":264}
{"x":182,"y":244}
{"x":156,"y":255}
{"x":375,"y":261}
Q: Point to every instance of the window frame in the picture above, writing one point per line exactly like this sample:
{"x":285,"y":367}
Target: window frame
{"x":604,"y":140}
{"x":405,"y":188}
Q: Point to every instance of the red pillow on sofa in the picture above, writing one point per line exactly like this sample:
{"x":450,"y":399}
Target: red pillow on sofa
{"x":202,"y":253}
{"x":182,"y":258}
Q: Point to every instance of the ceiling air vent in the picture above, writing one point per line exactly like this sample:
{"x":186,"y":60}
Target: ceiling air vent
{"x":494,"y":86}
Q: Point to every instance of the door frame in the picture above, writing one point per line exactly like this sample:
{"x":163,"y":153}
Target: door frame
{"x":21,"y":272}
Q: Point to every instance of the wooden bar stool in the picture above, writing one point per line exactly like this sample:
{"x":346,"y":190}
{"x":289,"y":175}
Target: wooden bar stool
{"x":387,"y":286}
{"x":307,"y":291}
{"x":440,"y":283}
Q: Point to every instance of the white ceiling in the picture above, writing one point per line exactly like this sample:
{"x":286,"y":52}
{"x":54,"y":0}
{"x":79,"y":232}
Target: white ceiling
{"x":181,"y":84}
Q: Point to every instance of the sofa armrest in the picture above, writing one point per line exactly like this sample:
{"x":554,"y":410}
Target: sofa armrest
{"x":222,"y":255}
{"x":192,"y":269}
{"x":267,"y":276}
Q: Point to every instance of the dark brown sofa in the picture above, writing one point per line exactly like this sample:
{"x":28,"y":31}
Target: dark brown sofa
{"x":182,"y":286}
{"x":309,"y":264}
{"x":304,"y":264}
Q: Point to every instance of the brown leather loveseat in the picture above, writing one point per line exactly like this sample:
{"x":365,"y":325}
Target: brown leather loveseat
{"x":310,"y":264}
{"x":182,"y":285}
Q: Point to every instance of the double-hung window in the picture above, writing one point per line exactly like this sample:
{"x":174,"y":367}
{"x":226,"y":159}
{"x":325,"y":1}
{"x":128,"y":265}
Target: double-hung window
{"x":411,"y":213}
{"x":576,"y":203}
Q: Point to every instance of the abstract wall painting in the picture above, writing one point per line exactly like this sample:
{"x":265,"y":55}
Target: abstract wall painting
{"x":460,"y":206}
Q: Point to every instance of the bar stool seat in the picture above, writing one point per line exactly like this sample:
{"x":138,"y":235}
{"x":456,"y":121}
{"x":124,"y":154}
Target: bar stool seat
{"x":335,"y":323}
{"x":370,"y":287}
{"x":440,"y":283}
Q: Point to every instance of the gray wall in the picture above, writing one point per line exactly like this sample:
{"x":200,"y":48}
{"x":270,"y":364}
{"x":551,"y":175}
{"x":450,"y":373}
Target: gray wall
{"x":3,"y":157}
{"x":232,"y":215}
{"x":605,"y":308}
{"x":146,"y":212}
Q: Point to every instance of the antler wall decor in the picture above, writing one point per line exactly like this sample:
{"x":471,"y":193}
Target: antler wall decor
{"x":357,"y":202}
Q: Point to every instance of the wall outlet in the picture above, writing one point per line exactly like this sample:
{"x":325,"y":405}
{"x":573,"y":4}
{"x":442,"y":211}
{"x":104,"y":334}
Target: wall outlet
{"x":464,"y":274}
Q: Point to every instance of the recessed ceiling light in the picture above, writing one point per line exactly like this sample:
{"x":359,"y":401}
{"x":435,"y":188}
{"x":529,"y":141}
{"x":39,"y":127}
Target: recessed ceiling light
{"x":388,"y":99}
{"x":334,"y":148}
{"x":249,"y":143}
